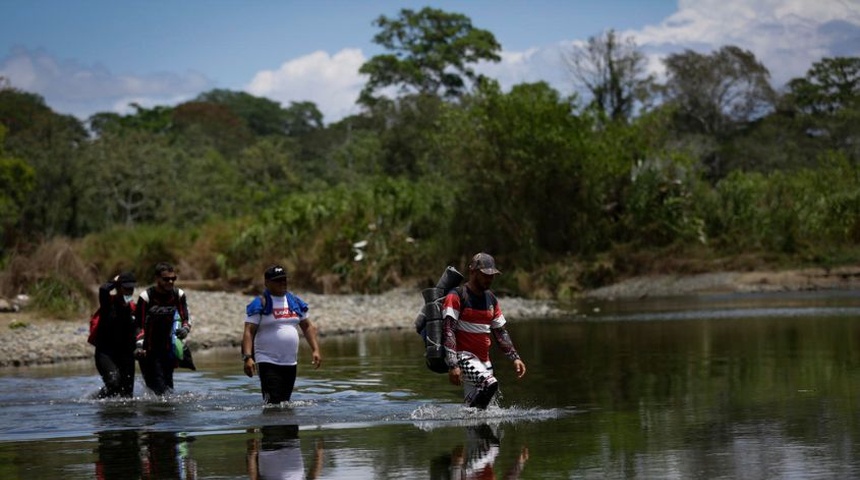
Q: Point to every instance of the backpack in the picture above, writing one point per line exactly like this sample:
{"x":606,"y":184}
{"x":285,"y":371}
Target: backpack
{"x":428,"y":324}
{"x":262,"y":304}
{"x":94,"y":323}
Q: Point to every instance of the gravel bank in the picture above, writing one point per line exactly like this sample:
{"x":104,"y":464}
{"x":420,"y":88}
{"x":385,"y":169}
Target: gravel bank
{"x":843,"y":278}
{"x":218,"y":322}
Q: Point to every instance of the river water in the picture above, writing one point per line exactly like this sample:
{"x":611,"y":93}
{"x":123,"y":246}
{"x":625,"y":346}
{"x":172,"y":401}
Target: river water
{"x":719,"y":386}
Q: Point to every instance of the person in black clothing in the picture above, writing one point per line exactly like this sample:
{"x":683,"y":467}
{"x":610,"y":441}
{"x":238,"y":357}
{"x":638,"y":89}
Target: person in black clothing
{"x":118,"y":455}
{"x":115,"y":337}
{"x":157,"y":309}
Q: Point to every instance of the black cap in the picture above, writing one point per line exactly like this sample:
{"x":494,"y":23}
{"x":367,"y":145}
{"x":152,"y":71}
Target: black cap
{"x":275,"y":272}
{"x":126,"y":280}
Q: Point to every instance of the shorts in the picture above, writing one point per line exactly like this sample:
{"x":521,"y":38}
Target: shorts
{"x":479,"y":383}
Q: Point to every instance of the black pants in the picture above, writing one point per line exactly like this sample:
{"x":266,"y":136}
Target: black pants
{"x":276,"y":381}
{"x":157,"y":369}
{"x":117,"y":371}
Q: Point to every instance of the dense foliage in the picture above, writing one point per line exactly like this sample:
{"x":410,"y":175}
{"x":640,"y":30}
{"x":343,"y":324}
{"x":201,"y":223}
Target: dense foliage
{"x":708,"y":169}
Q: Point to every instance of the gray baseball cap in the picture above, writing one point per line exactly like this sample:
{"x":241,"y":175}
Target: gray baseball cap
{"x":485,"y":263}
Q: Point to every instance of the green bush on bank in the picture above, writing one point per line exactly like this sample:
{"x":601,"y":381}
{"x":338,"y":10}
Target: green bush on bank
{"x":364,"y":237}
{"x":787,"y":212}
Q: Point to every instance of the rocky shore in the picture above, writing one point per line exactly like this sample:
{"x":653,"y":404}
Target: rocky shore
{"x":842,"y":278}
{"x":218,"y":316}
{"x":218,"y":322}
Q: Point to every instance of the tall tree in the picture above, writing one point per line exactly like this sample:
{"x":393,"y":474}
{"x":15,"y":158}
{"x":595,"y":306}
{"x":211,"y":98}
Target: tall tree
{"x":206,"y":124}
{"x":17,"y":180}
{"x":263,"y":116}
{"x":613,"y":70}
{"x":302,"y":118}
{"x":131,"y":175}
{"x":714,"y":97}
{"x":158,"y":119}
{"x":432,"y":53}
{"x":48,"y":143}
{"x":827,"y":104}
{"x":830,"y":85}
{"x":521,"y":156}
{"x":716,"y":93}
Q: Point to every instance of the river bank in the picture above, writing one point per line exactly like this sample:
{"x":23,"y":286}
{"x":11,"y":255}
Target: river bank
{"x":218,"y":316}
{"x":842,"y":278}
{"x":218,"y":321}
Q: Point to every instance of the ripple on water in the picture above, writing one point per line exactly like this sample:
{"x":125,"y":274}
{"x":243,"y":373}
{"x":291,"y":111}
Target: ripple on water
{"x":430,"y":416}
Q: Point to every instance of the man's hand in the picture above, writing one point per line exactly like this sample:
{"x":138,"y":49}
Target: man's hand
{"x":182,"y":332}
{"x":520,"y":368}
{"x":455,"y":376}
{"x":250,"y":367}
{"x":139,"y":352}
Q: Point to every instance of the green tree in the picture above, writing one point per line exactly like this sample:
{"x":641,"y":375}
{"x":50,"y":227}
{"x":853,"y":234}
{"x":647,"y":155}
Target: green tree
{"x":158,"y":119}
{"x":131,"y":174}
{"x":826,"y":105}
{"x":407,"y":127}
{"x":356,"y":149}
{"x":209,"y":188}
{"x":815,"y":116}
{"x":518,"y":172}
{"x":432,"y":53}
{"x":17,"y":180}
{"x":103,"y":122}
{"x":303,"y":125}
{"x":205,"y":124}
{"x":263,"y":116}
{"x":267,"y":170}
{"x":49,"y":144}
{"x":716,"y":95}
{"x":302,"y":118}
{"x":830,"y":85}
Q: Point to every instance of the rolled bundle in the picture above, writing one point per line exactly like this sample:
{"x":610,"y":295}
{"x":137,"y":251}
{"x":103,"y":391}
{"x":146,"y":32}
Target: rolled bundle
{"x":428,"y":323}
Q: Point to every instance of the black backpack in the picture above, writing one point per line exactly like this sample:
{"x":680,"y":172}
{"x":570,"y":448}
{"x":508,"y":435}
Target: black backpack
{"x":428,"y":324}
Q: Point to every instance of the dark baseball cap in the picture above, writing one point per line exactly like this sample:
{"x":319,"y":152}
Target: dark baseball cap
{"x":485,"y":263}
{"x":126,"y":280}
{"x":275,"y":272}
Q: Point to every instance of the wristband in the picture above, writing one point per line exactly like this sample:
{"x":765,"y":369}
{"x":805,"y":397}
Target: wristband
{"x":245,"y":357}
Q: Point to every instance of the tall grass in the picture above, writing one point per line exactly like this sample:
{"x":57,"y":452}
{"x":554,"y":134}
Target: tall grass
{"x":56,"y":278}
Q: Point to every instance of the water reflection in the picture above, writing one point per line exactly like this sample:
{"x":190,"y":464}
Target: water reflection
{"x":123,"y":454}
{"x":168,"y":455}
{"x":118,"y":455}
{"x":277,"y":454}
{"x":476,"y":458}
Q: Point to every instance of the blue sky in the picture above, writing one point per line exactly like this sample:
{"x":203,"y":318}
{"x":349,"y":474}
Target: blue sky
{"x":87,"y":56}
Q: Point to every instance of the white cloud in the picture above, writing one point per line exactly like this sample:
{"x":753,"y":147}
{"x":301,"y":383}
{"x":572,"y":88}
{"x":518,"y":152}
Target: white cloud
{"x":332,"y":82}
{"x":533,"y":65}
{"x":787,"y":36}
{"x":72,"y":88}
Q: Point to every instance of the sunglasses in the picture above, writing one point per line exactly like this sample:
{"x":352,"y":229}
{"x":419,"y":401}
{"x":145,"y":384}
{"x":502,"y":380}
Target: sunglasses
{"x":169,"y":279}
